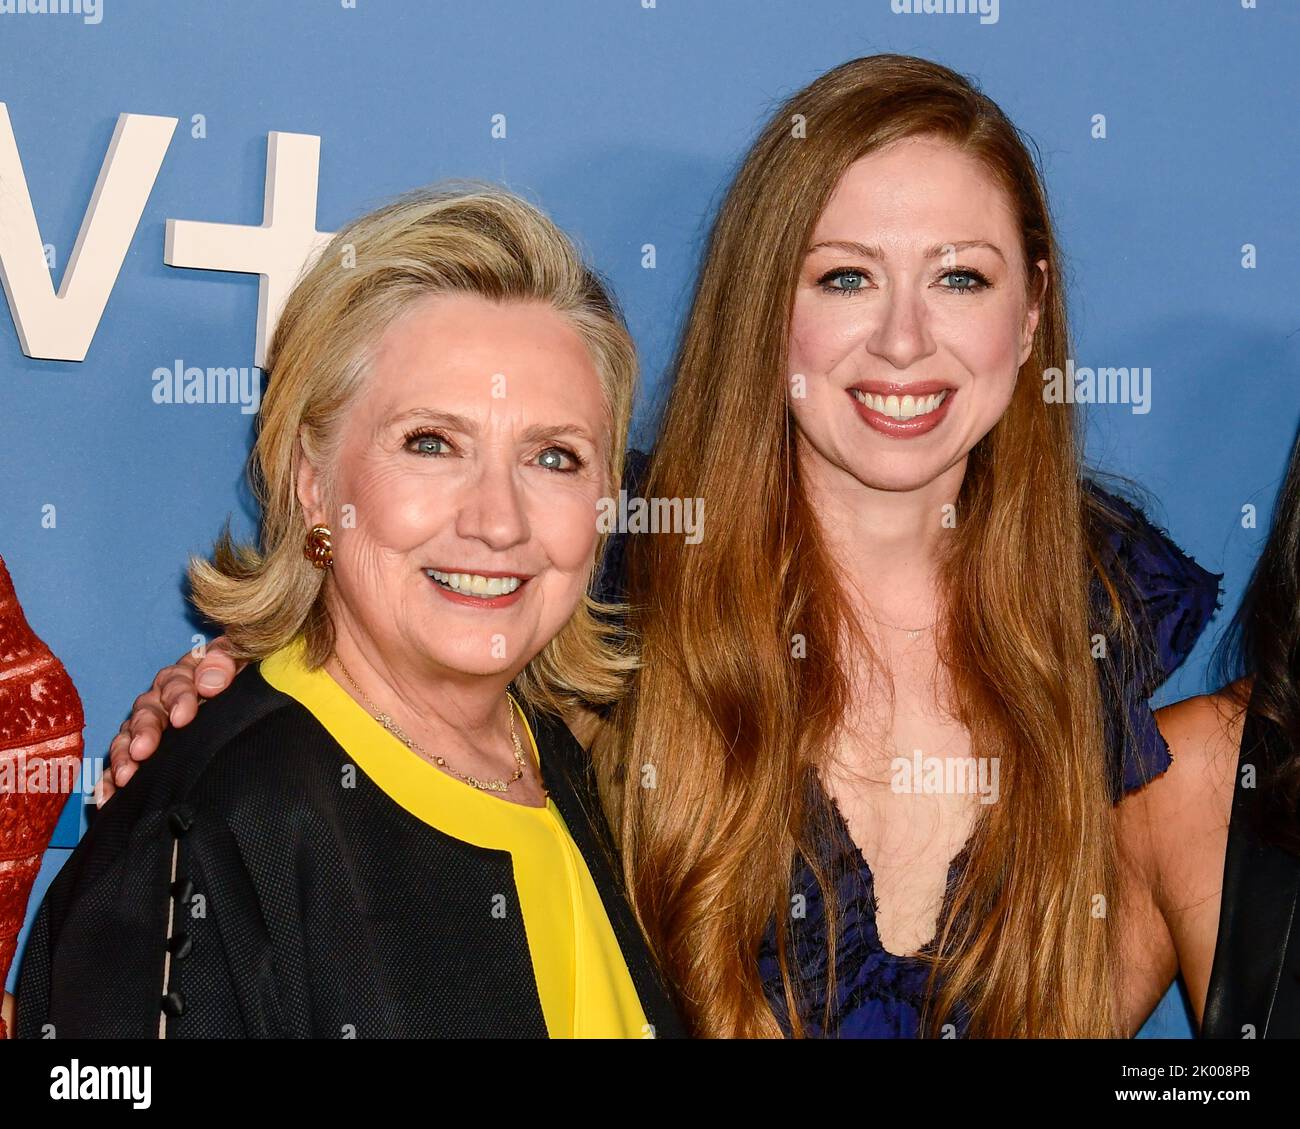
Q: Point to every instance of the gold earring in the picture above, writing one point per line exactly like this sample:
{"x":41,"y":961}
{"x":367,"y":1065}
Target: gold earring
{"x":319,"y":548}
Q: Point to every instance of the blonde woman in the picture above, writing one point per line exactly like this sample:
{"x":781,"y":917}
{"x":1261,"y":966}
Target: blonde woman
{"x":903,"y":559}
{"x":384,"y":829}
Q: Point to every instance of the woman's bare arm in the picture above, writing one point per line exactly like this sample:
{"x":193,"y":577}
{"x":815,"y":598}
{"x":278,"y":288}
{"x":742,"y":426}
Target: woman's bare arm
{"x":1148,"y":961}
{"x":1173,"y":836}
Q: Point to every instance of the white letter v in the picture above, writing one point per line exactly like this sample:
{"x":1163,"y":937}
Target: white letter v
{"x":60,"y":327}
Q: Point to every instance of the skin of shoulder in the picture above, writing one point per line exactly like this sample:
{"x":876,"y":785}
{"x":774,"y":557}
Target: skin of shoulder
{"x":1173,"y":835}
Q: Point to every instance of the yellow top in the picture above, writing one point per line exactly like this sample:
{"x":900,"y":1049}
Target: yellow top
{"x":582,"y":978}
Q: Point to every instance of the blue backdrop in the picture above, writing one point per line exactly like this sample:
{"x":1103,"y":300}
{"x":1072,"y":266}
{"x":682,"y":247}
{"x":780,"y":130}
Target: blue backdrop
{"x":625,"y":121}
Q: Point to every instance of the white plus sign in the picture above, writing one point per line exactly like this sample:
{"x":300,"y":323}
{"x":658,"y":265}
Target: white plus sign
{"x":285,"y":244}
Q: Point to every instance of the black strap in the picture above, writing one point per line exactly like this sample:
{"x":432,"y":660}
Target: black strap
{"x":1254,"y":986}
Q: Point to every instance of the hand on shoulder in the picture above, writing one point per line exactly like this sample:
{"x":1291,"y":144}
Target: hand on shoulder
{"x":173,"y":700}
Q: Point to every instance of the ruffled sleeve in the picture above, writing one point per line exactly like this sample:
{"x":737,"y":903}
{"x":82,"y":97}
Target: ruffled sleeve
{"x":1170,"y":599}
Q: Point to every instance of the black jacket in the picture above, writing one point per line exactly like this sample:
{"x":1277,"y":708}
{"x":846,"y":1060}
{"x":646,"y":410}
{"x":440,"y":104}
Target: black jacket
{"x":1254,"y":989}
{"x":301,"y":908}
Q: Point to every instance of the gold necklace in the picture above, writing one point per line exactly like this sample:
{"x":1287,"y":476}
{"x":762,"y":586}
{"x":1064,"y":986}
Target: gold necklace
{"x":388,"y":723}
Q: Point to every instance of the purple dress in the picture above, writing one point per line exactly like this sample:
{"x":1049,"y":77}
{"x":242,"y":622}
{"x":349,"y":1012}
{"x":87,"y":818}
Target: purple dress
{"x":878,"y":994}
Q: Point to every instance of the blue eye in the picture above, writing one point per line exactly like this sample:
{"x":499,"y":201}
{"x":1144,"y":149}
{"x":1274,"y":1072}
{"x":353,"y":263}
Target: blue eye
{"x":553,"y":459}
{"x":424,"y":442}
{"x":853,"y":280}
{"x":977,"y":281}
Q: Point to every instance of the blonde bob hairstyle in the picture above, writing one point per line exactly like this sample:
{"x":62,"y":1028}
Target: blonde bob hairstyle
{"x":458,"y":237}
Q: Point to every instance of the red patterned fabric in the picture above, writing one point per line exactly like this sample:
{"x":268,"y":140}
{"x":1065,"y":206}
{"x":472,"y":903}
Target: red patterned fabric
{"x":40,"y":754}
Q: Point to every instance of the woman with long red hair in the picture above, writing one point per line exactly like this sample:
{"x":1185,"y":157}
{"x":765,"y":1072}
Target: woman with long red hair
{"x":880,"y":577}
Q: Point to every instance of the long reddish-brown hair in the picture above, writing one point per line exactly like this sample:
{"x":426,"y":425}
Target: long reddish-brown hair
{"x":707,"y":767}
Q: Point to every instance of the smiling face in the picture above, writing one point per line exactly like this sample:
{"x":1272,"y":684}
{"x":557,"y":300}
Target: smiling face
{"x":474,"y":457}
{"x":910,"y":317}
